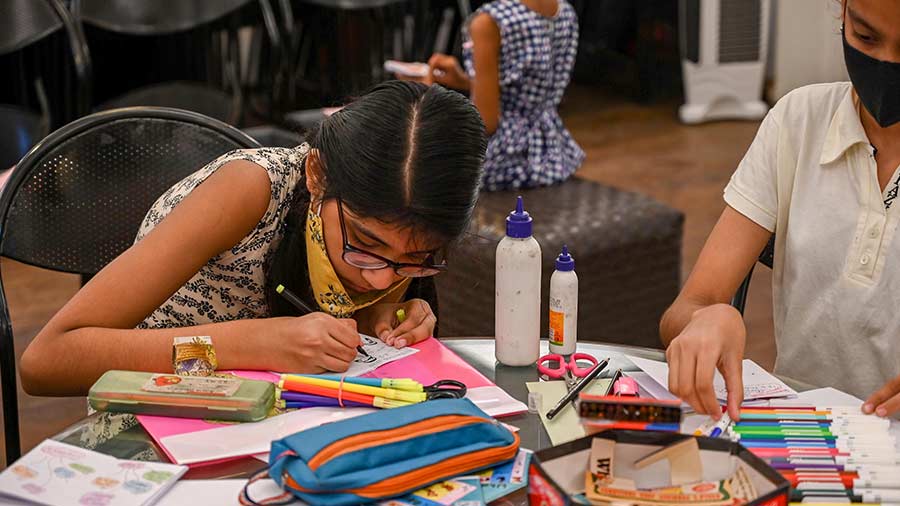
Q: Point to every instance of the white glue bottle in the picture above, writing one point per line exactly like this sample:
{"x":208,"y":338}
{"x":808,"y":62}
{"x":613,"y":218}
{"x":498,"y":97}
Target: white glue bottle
{"x":563,"y":305}
{"x":517,"y":309}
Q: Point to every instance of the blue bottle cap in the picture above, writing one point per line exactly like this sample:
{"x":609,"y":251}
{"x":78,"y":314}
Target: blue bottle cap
{"x":565,"y":262}
{"x":518,"y":223}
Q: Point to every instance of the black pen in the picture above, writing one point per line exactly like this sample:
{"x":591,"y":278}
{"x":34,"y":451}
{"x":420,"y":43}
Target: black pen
{"x":302,"y":306}
{"x":583,"y":382}
{"x":612,"y":383}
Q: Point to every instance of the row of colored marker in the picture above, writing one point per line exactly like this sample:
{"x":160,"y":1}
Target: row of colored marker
{"x":829,"y":454}
{"x":306,"y":391}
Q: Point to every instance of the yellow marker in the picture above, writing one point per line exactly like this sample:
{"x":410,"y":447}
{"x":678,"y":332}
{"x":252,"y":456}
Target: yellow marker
{"x":401,"y":315}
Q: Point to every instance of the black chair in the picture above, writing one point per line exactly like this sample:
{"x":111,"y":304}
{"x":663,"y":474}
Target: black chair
{"x":77,"y":199}
{"x":172,"y":53}
{"x":767,"y":258}
{"x":336,"y":48}
{"x":31,"y":32}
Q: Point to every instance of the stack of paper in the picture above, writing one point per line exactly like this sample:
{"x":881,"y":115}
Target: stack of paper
{"x":760,"y":386}
{"x":55,"y":473}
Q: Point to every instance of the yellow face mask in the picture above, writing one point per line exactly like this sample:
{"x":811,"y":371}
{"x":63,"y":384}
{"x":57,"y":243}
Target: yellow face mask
{"x":327,"y":287}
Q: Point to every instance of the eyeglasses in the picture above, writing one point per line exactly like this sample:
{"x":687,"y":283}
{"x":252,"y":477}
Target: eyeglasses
{"x":362,"y":259}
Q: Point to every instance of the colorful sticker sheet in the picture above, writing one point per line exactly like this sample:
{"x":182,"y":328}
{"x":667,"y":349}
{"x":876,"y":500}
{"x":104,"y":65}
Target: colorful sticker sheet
{"x":462,"y":491}
{"x":55,"y":473}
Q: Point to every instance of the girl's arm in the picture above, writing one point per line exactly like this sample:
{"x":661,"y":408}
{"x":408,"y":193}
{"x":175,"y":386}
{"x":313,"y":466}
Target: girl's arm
{"x":701,"y":330}
{"x":94,"y":332}
{"x":485,"y":86}
{"x":730,"y":251}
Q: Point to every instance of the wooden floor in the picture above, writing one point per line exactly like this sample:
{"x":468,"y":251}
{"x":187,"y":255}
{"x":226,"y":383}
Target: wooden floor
{"x":629,"y":146}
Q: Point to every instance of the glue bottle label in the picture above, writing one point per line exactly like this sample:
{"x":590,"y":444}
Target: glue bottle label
{"x":557,"y":322}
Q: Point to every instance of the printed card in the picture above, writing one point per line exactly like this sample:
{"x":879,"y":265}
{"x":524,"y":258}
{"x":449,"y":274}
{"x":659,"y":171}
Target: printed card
{"x":461,"y":491}
{"x":57,"y":474}
{"x":379,"y":354}
{"x":505,"y":479}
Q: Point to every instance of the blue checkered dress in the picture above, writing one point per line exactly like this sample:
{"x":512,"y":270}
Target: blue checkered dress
{"x":531,"y":147}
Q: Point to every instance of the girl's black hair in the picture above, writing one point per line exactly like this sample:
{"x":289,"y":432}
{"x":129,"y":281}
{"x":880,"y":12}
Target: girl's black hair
{"x":404,"y":153}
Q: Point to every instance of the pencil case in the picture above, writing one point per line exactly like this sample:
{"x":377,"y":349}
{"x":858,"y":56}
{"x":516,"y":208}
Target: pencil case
{"x":386,"y":454}
{"x":208,"y":397}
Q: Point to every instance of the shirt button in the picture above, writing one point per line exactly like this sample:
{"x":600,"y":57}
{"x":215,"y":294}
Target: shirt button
{"x":873,"y":233}
{"x":864,"y":259}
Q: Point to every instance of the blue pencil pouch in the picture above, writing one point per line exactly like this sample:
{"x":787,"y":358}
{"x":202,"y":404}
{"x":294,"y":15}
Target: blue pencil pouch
{"x":386,"y":454}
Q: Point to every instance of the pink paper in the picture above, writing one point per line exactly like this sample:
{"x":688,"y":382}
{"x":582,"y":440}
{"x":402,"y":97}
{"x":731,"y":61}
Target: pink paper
{"x":161,"y":426}
{"x":433,"y":362}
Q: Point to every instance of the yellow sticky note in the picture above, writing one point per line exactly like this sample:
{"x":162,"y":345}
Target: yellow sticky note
{"x":565,"y":426}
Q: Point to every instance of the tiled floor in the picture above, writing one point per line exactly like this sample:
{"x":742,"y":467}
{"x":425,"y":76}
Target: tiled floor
{"x":633,"y":147}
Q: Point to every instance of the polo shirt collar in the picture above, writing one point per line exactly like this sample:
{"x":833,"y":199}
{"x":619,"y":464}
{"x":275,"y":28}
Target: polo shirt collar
{"x":845,"y":130}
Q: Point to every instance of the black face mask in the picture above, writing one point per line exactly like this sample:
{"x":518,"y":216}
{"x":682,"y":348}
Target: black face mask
{"x":876,"y":82}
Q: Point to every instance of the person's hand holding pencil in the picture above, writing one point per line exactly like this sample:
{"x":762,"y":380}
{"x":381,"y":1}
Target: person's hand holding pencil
{"x":306,"y":308}
{"x":310,"y":344}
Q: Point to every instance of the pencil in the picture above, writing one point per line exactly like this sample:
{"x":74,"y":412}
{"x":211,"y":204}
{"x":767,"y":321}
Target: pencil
{"x":302,"y":306}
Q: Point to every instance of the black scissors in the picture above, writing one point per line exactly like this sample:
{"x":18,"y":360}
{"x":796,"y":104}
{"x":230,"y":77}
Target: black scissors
{"x":445,"y":389}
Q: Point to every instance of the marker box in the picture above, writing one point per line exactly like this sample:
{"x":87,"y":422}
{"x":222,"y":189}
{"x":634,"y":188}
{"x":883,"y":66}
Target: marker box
{"x":206,"y":397}
{"x":614,"y":408}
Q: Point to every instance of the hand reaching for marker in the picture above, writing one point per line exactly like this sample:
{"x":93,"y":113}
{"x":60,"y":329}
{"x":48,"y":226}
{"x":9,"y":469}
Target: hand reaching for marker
{"x":886,"y":401}
{"x":714,"y":339}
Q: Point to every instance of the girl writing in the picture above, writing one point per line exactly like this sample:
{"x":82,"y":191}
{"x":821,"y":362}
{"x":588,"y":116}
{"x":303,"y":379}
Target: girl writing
{"x":355,"y":222}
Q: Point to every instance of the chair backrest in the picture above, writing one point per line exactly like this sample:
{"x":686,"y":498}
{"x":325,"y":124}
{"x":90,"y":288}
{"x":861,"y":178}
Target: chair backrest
{"x":24,"y":23}
{"x":77,"y":199}
{"x":767,"y":258}
{"x":139,"y":17}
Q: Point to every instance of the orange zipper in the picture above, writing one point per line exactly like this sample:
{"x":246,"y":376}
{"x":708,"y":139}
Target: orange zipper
{"x":383,"y":437}
{"x":409,"y":480}
{"x":446,"y":469}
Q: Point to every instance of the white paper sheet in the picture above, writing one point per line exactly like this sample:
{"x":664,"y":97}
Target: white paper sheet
{"x":821,"y":397}
{"x":251,"y":438}
{"x":219,"y":492}
{"x":55,"y":473}
{"x":758,"y":383}
{"x":379,"y":354}
{"x":495,"y":401}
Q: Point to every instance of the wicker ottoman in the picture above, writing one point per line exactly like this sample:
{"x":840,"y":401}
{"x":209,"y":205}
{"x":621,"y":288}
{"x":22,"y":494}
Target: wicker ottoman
{"x":627,"y":250}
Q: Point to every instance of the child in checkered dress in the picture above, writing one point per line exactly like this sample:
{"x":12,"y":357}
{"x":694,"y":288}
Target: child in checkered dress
{"x":518,"y":58}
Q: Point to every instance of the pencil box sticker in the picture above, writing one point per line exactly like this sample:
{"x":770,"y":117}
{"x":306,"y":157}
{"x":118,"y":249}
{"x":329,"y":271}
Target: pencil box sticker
{"x":187,"y":385}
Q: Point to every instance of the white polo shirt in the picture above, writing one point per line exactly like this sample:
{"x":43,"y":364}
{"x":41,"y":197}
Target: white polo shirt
{"x":810,"y":177}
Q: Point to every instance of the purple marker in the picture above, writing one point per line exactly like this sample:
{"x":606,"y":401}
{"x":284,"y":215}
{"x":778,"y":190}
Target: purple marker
{"x":315,"y":400}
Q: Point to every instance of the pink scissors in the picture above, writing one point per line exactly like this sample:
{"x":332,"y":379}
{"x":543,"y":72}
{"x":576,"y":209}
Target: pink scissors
{"x":568,"y":371}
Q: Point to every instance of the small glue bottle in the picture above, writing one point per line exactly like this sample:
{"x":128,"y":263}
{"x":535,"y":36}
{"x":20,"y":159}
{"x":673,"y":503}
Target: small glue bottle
{"x":563,"y":305}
